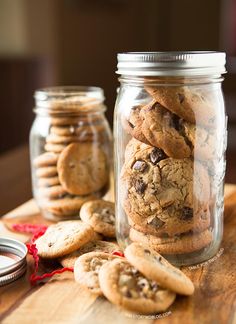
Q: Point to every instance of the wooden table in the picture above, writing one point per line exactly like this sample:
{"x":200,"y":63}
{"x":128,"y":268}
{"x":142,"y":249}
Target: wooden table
{"x":62,"y":300}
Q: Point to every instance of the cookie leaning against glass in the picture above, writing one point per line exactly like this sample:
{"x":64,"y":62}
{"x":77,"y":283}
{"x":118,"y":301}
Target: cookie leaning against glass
{"x":70,"y":146}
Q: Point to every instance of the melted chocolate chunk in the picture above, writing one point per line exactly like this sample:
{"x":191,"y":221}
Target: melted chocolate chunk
{"x":140,"y":166}
{"x":187,"y":213}
{"x":157,"y":155}
{"x":131,"y":125}
{"x":157,"y":222}
{"x":153,"y":106}
{"x":181,"y":97}
{"x":128,"y":294}
{"x":140,"y":186}
{"x":175,"y":122}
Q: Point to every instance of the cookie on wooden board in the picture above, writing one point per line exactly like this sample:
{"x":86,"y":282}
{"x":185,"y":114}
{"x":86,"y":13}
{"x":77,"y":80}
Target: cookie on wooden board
{"x":100,"y":214}
{"x":94,"y":246}
{"x":125,"y":286}
{"x":87,"y":267}
{"x":63,"y":238}
{"x":154,"y":266}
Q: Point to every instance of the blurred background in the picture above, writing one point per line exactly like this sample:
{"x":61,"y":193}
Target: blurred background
{"x":75,"y":42}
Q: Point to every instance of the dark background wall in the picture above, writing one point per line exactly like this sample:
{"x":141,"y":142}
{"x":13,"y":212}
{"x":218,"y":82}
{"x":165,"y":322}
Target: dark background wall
{"x":75,"y":42}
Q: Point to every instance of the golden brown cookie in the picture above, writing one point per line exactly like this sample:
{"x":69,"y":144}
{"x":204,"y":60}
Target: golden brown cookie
{"x":165,"y":194}
{"x":178,"y":244}
{"x":83,"y":168}
{"x":198,"y":222}
{"x":188,"y":102}
{"x":94,"y":246}
{"x":133,"y":124}
{"x":87,"y":267}
{"x":125,"y":286}
{"x":46,"y":159}
{"x":49,"y":171}
{"x":55,"y":148}
{"x":203,"y":141}
{"x":52,"y":192}
{"x":75,"y":120}
{"x":163,"y":130}
{"x":61,"y":139}
{"x":63,"y":238}
{"x":133,"y":147}
{"x":152,"y":265}
{"x":48,"y":181}
{"x":66,"y":206}
{"x":99,"y":214}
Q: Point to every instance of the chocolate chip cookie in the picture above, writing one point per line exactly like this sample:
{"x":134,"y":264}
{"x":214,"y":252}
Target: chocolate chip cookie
{"x":99,"y":214}
{"x":133,"y":124}
{"x":177,"y":244}
{"x":163,"y":130}
{"x":188,"y":102}
{"x":125,"y":286}
{"x":63,"y":238}
{"x":87,"y":267}
{"x":156,"y":267}
{"x":94,"y":246}
{"x":163,"y":193}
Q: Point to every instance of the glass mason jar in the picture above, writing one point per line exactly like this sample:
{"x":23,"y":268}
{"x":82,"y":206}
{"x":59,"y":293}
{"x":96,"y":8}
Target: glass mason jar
{"x":71,"y":150}
{"x":170,"y":142}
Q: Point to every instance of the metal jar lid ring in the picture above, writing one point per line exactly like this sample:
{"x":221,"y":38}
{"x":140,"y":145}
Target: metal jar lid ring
{"x":12,"y":260}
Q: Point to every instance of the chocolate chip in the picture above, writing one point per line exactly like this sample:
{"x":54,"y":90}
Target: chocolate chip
{"x":128,"y":294}
{"x":157,"y":222}
{"x":181,"y":97}
{"x":175,"y":122}
{"x":140,"y":166}
{"x":157,"y":155}
{"x":140,"y":186}
{"x":187,"y":213}
{"x":153,"y":106}
{"x":50,"y":244}
{"x":160,"y":258}
{"x":147,"y":251}
{"x":131,"y":125}
{"x":154,"y":286}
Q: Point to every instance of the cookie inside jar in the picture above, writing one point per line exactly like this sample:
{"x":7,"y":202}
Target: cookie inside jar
{"x":71,"y":151}
{"x":170,"y":153}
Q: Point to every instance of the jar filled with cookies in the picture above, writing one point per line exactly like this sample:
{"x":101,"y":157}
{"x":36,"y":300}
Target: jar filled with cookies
{"x":170,"y":141}
{"x":71,"y":150}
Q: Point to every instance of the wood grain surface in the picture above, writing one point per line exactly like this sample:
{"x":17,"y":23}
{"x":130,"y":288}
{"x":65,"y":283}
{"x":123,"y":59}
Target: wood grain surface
{"x":62,"y":300}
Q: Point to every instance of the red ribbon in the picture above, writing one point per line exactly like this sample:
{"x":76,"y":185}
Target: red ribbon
{"x":37,"y":231}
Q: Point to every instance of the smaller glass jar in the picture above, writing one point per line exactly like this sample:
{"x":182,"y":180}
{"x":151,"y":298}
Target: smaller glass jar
{"x":70,"y":149}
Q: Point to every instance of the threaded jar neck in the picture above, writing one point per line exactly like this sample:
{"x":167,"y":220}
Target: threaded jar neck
{"x":69,"y":100}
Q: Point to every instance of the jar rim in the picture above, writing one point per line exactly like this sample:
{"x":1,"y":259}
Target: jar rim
{"x":69,"y":99}
{"x":66,"y":91}
{"x":178,"y":63}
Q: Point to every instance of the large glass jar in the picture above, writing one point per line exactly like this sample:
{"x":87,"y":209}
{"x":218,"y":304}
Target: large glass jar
{"x":170,"y":142}
{"x":70,"y":147}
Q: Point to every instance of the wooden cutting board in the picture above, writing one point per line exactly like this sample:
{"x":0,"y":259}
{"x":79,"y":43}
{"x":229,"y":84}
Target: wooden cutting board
{"x":62,"y":300}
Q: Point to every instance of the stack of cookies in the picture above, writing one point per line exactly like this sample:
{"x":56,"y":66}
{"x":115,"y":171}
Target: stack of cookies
{"x":74,"y":164}
{"x":165,"y":176}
